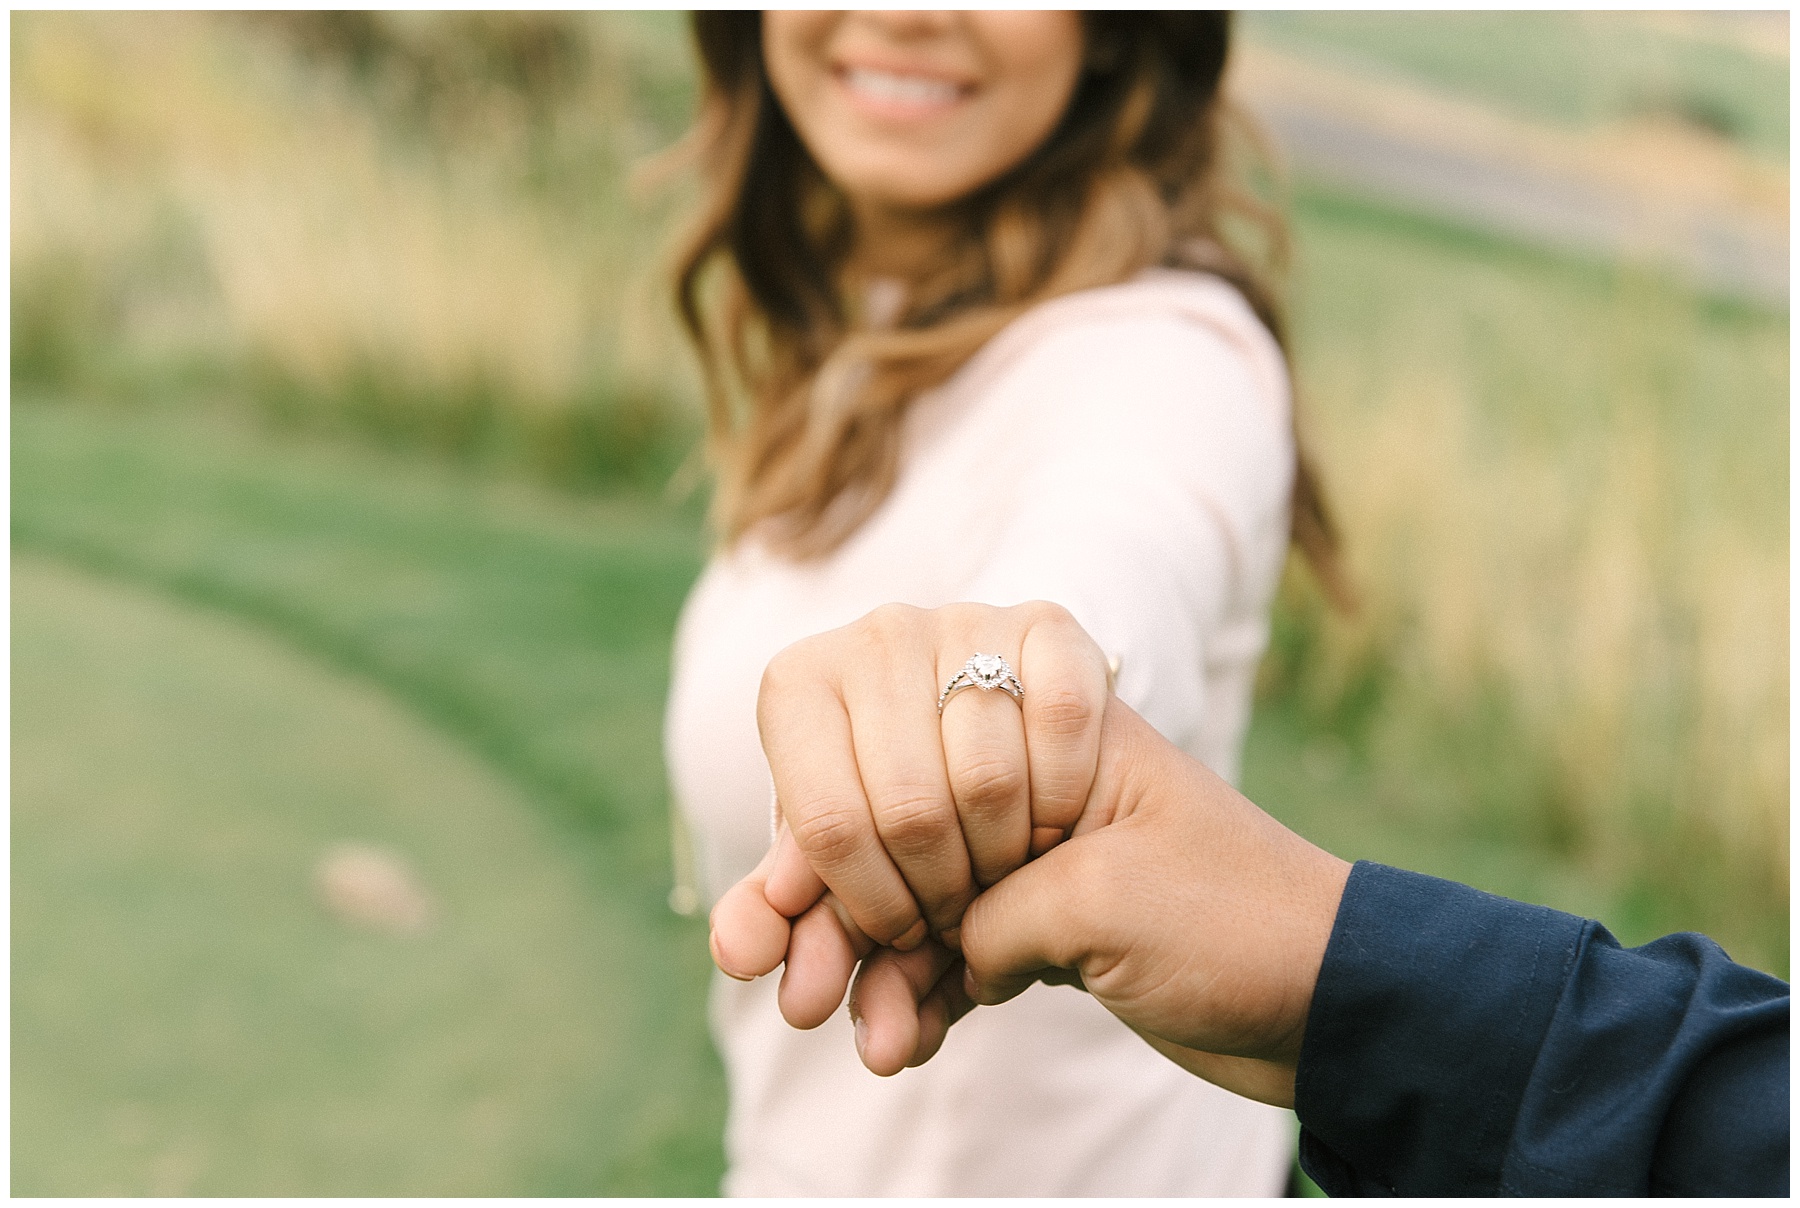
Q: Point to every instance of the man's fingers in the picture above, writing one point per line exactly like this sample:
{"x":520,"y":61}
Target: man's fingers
{"x":886,"y":1002}
{"x":806,"y":735}
{"x":821,"y":956}
{"x":1063,"y":707}
{"x":944,"y":1005}
{"x":749,"y":936}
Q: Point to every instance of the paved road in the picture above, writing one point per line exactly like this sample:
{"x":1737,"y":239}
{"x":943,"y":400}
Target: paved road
{"x":1719,"y":249}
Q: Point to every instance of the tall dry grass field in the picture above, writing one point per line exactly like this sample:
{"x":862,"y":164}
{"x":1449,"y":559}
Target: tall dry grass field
{"x":415,"y":223}
{"x":1563,"y":491}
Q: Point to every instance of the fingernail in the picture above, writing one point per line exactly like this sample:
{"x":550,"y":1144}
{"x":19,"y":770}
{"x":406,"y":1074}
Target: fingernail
{"x":969,"y":984}
{"x":862,"y":1036}
{"x":952,"y":938}
{"x":712,"y":943}
{"x":915,"y":935}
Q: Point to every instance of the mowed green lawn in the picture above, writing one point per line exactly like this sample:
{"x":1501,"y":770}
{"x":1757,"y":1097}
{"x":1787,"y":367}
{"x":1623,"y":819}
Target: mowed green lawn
{"x":187,"y":1019}
{"x":231,"y":656}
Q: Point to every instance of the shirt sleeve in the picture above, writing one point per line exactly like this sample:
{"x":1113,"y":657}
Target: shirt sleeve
{"x":1464,"y":1044}
{"x":1155,"y":460}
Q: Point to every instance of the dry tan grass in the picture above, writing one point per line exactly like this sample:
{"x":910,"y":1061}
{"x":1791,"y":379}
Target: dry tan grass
{"x":1613,"y":586}
{"x":322,"y":245}
{"x":1763,"y":33}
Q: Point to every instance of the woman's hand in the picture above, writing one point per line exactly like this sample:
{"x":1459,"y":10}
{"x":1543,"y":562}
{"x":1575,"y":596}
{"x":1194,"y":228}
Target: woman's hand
{"x":893,"y":818}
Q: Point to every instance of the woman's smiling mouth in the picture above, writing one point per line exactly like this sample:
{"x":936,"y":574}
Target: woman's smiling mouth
{"x":899,"y":94}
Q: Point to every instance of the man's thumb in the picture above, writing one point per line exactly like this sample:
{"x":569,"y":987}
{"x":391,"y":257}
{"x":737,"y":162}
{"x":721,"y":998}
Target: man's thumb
{"x":1028,"y":925}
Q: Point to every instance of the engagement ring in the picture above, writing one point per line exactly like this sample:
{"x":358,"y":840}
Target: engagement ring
{"x":987,"y":672}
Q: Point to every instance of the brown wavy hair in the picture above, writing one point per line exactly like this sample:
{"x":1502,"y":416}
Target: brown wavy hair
{"x":805,"y":397}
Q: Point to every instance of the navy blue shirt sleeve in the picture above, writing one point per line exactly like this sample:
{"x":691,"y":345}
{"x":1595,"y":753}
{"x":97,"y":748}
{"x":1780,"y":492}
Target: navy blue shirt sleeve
{"x":1463,"y":1044}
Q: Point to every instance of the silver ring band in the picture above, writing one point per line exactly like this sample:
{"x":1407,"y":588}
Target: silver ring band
{"x":984,"y":671}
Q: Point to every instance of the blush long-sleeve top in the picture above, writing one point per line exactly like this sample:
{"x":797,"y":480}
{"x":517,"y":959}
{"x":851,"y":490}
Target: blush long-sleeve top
{"x":1126,"y":452}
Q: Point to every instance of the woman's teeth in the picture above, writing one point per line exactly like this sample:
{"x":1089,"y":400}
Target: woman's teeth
{"x":906,"y":89}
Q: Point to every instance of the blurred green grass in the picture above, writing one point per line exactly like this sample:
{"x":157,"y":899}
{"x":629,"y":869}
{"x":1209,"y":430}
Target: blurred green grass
{"x":229,"y":654}
{"x":189,"y":1020}
{"x":502,"y":617}
{"x":254,"y":462}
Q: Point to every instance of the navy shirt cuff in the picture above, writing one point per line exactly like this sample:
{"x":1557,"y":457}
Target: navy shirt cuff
{"x":1432,"y":1000}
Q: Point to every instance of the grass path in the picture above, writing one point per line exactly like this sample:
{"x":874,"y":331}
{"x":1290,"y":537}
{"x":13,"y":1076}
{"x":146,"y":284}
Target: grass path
{"x":533,"y":627}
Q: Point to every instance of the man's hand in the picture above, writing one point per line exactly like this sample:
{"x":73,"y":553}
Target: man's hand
{"x":894,"y":818}
{"x":1188,"y":912}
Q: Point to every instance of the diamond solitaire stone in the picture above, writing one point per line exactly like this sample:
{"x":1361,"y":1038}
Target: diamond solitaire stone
{"x":987,"y":670}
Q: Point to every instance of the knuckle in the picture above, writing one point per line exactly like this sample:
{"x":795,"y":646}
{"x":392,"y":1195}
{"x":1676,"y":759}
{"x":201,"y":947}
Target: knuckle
{"x":1061,"y":712}
{"x":873,"y":641}
{"x":775,"y":673}
{"x":913,"y":821}
{"x":889,"y":623}
{"x":1043,"y":612}
{"x":987,"y":782}
{"x":830,"y":834}
{"x":1060,"y":626}
{"x":785,"y":672}
{"x":965,"y":613}
{"x":948,"y":913}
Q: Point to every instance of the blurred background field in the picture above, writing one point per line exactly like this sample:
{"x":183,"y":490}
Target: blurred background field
{"x":353,"y":501}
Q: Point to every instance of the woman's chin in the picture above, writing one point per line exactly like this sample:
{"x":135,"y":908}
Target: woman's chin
{"x":905,"y":185}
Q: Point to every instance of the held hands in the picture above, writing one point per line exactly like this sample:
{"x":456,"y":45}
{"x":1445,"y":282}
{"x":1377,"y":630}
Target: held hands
{"x":1184,"y":909}
{"x":893,"y":819}
{"x":1188,"y":912}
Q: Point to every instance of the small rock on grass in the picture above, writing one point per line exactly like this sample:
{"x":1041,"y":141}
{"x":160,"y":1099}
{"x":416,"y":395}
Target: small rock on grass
{"x":373,"y":889}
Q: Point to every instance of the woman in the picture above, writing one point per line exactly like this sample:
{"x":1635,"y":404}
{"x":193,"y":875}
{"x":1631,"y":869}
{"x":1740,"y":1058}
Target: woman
{"x":972,"y":332}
